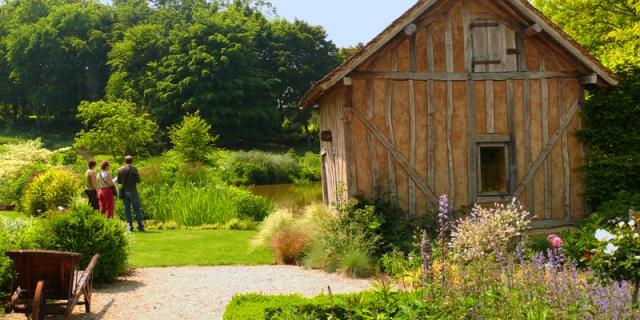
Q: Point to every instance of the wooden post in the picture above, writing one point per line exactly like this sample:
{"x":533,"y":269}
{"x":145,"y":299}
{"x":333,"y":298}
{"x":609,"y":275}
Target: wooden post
{"x":373,"y":154}
{"x":431,"y":158}
{"x":449,"y":59}
{"x":392,"y":166}
{"x":471,"y":113}
{"x":544,"y":112}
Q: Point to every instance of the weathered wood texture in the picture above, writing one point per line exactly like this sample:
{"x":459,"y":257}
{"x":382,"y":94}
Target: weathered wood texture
{"x":419,"y":106}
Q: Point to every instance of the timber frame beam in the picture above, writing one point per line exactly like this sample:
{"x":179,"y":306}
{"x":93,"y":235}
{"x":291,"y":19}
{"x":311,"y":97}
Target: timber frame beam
{"x":535,"y":166}
{"x":463,"y":76}
{"x":395,"y":153}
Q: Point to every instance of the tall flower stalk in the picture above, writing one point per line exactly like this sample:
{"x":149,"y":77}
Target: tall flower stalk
{"x":427,"y":257}
{"x":443,"y":218}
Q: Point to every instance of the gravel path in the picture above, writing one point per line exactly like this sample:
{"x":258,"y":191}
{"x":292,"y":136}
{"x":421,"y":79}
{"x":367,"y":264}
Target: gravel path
{"x":204,"y":292}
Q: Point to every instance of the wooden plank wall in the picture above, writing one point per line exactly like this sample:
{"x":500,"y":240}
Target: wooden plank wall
{"x":338,"y":163}
{"x":415,"y":129}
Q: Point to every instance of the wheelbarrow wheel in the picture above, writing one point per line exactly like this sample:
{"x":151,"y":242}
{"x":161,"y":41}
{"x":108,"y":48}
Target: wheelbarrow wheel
{"x":39,"y":302}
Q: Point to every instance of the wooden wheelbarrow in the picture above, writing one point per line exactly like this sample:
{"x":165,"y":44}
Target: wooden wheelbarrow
{"x":39,"y":276}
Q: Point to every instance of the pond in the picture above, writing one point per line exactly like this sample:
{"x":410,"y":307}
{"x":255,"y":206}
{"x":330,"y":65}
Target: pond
{"x":290,"y":196}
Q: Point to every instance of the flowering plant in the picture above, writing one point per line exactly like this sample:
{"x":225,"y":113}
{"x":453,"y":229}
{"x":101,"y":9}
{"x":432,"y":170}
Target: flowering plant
{"x":488,"y":230}
{"x":617,"y":255}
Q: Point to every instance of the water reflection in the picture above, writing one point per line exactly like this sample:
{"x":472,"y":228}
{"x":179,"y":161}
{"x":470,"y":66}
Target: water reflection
{"x":290,"y":196}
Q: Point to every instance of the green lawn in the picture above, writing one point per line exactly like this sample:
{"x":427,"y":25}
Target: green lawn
{"x":12,"y":215}
{"x":196,"y":247}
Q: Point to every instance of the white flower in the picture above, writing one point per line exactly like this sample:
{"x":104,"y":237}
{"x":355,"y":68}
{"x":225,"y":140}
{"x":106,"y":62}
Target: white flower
{"x":637,"y":257}
{"x":636,"y":235}
{"x":60,"y":208}
{"x":610,"y":249}
{"x":603,"y":235}
{"x":632,"y":223}
{"x":620,"y":224}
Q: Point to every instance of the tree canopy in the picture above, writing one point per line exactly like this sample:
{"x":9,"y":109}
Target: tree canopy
{"x":235,"y":62}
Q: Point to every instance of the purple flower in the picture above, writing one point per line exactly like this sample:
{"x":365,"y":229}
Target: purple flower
{"x":443,"y":217}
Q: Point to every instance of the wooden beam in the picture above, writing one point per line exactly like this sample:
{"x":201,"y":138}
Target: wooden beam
{"x":349,"y":143}
{"x":373,"y":154}
{"x":397,"y":155}
{"x":489,"y":106}
{"x":431,"y":158}
{"x":532,"y":30}
{"x":463,"y":76}
{"x":528,"y":157}
{"x":412,"y":147}
{"x":566,"y":120}
{"x":589,"y":79}
{"x":410,"y":29}
{"x":544,"y":114}
{"x":490,"y":138}
{"x":471,"y":144}
{"x":389,"y":119}
{"x":412,"y":54}
{"x":566,"y":168}
{"x":468,"y":42}
{"x":448,"y":40}
{"x":552,"y":224}
{"x":511,"y":121}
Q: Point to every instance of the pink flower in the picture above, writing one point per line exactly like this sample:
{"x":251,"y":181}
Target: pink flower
{"x":555,"y":241}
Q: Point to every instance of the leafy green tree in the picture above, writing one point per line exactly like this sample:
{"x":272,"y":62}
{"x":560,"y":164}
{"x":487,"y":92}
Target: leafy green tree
{"x":59,"y":60}
{"x":115,"y":128}
{"x":610,"y":29}
{"x":192,"y":139}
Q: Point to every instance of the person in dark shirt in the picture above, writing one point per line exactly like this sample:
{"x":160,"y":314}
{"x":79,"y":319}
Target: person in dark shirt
{"x":128,"y":178}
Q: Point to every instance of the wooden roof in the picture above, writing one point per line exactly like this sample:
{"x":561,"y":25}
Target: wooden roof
{"x":523,"y":7}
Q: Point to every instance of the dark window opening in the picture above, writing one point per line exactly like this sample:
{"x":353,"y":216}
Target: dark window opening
{"x":493,"y":169}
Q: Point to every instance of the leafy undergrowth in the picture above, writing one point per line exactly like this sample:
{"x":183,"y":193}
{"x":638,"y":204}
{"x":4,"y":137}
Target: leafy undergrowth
{"x":195,"y":247}
{"x":258,"y":306}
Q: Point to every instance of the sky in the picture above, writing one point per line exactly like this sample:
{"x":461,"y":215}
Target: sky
{"x":347,"y":22}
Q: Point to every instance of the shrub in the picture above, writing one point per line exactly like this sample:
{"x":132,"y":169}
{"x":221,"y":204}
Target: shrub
{"x":63,"y":156}
{"x":488,"y":231}
{"x":15,"y":156}
{"x":87,"y":232}
{"x":191,"y":138}
{"x":129,"y":130}
{"x":290,"y":236}
{"x":12,"y":188}
{"x":256,"y":167}
{"x":345,"y":240}
{"x":579,"y":242}
{"x":289,"y":244}
{"x":192,"y":205}
{"x":393,"y":224}
{"x":273,"y":224}
{"x":48,"y":191}
{"x":617,"y":256}
{"x":356,"y":263}
{"x":613,"y":159}
{"x":250,"y":206}
{"x":310,"y":167}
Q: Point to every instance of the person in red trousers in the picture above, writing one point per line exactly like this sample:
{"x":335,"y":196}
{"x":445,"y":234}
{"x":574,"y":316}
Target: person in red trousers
{"x":105,"y":192}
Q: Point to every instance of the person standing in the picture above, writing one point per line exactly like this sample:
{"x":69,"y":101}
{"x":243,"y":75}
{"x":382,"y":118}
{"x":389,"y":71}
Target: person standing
{"x":129,"y":177}
{"x":91,"y":187}
{"x":106,"y":191}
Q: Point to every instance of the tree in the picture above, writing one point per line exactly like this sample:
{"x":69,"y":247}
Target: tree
{"x":610,"y":29}
{"x":192,"y":139}
{"x":116,"y":128}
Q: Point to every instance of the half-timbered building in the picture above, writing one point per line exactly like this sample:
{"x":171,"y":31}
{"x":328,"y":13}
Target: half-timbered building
{"x":477,"y":99}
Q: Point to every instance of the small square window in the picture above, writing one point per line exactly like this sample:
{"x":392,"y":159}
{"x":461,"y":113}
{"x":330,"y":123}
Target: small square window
{"x":493,"y":168}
